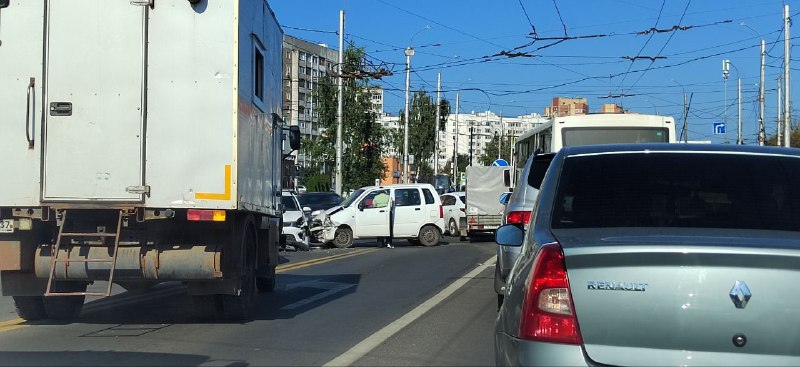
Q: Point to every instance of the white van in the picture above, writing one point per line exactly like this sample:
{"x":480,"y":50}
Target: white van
{"x":418,"y":216}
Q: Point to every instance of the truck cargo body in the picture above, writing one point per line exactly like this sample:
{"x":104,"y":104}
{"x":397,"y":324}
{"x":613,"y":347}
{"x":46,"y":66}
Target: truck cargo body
{"x":144,"y":135}
{"x":485,"y":186}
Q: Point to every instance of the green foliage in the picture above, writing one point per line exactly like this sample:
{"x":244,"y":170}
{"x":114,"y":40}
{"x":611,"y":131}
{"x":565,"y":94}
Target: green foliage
{"x":490,"y":152}
{"x":422,"y":128}
{"x":318,"y":182}
{"x":363,"y":138}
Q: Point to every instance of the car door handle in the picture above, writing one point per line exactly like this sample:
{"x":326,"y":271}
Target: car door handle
{"x":417,"y":208}
{"x":381,"y":211}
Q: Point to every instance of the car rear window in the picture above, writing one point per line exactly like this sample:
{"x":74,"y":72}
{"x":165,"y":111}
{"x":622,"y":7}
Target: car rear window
{"x":679,"y":190}
{"x":428,"y":196}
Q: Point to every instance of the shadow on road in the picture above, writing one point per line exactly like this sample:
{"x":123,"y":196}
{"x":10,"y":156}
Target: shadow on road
{"x":103,"y":358}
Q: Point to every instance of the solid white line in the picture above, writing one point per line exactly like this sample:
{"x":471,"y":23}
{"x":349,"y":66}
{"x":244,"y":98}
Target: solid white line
{"x":371,"y":342}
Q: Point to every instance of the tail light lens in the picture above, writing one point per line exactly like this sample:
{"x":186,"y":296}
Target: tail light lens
{"x":441,"y":211}
{"x":548,"y":313}
{"x":520,"y":217}
{"x":197,"y":215}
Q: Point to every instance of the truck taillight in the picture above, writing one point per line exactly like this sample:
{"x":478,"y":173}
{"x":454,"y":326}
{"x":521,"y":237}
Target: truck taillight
{"x":441,"y":211}
{"x":520,"y":217}
{"x":200,"y":215}
{"x":548,"y":313}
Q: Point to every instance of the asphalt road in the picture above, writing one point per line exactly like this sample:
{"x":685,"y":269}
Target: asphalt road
{"x":359,"y":306}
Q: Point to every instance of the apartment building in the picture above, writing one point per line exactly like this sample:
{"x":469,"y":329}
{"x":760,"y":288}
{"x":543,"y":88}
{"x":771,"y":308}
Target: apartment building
{"x":562,"y":106}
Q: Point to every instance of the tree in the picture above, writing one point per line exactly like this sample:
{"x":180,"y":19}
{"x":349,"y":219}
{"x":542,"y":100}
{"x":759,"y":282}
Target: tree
{"x":490,"y":152}
{"x":422,"y":125}
{"x":363,"y":138}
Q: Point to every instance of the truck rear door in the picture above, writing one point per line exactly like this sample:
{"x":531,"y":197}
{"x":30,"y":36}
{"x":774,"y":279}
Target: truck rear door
{"x":95,"y":77}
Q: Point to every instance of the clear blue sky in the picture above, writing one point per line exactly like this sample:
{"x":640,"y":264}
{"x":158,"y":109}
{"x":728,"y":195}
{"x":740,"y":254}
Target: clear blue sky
{"x":465,"y":34}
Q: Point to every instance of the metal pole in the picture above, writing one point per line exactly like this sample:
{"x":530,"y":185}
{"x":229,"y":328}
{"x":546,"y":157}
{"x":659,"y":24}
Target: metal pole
{"x":762,"y":135}
{"x":725,"y":93}
{"x":739,"y":140}
{"x":779,"y":132}
{"x":500,"y":141}
{"x":787,"y":106}
{"x":340,"y":108}
{"x":685,"y":131}
{"x":455,"y":154}
{"x":436,"y":125}
{"x":409,"y":53}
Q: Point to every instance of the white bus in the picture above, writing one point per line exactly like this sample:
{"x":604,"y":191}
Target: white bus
{"x":600,"y":128}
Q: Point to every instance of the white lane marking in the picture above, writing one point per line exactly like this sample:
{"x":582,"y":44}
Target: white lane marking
{"x":330,"y":288}
{"x":371,"y":342}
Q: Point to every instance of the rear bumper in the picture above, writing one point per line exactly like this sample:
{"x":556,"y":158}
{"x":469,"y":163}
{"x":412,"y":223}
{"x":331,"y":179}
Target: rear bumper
{"x":510,"y":351}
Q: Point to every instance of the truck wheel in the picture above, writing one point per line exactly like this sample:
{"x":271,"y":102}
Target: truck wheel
{"x":30,"y":308}
{"x":243,"y":305}
{"x":65,"y":307}
{"x":429,"y":236}
{"x":266,"y":284}
{"x":452,"y":227}
{"x":207,"y":307}
{"x":343,"y":237}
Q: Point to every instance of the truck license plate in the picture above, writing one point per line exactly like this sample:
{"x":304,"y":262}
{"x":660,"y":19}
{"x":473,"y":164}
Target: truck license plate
{"x":7,"y":226}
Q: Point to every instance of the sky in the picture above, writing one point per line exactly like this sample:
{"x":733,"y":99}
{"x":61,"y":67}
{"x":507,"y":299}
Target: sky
{"x":514,"y":56}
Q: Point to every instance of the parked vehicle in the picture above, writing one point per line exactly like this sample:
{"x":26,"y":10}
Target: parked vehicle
{"x":518,"y":211}
{"x":149,"y":149}
{"x":485,"y":187}
{"x":668,"y":254}
{"x":319,"y":201}
{"x":454,"y":209}
{"x":295,"y":223}
{"x":418,"y":216}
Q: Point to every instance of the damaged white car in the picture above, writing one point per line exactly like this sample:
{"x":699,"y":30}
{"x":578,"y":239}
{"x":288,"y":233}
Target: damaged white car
{"x":365,"y":215}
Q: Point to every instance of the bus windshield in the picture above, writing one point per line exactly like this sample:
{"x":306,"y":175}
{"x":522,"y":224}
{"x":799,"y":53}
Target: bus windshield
{"x":612,"y":135}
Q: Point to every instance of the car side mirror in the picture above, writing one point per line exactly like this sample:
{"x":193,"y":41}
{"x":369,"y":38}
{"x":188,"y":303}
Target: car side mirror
{"x":509,"y":235}
{"x":361,"y":206}
{"x":294,"y":137}
{"x":306,"y":210}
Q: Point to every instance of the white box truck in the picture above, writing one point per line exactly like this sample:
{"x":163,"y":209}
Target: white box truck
{"x":484,"y":208}
{"x":141,"y":143}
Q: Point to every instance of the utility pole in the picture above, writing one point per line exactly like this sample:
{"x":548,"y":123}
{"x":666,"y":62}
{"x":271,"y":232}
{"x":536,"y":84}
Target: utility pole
{"x":436,"y":125}
{"x":685,"y":130}
{"x":409,"y":52}
{"x":762,"y":135}
{"x":779,"y":132}
{"x":787,"y":105}
{"x":725,"y":73}
{"x":340,"y":108}
{"x":739,"y":140}
{"x":500,"y":141}
{"x":455,"y":154}
{"x":470,"y":146}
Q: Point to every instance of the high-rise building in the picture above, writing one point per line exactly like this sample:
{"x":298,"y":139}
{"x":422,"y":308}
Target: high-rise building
{"x":304,"y":64}
{"x":563,"y":106}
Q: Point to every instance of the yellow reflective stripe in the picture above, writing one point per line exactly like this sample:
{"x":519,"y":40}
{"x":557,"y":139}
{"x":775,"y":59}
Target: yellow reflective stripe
{"x":224,"y":196}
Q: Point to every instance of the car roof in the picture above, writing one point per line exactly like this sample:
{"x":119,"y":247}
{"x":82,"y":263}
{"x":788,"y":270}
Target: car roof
{"x":456,"y":193}
{"x":677,"y":147}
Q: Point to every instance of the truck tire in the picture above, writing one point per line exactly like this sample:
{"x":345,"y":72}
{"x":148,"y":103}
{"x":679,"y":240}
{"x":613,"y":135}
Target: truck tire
{"x":65,"y":307}
{"x":208,"y":307}
{"x":243,"y":306}
{"x":30,"y":308}
{"x":343,"y":238}
{"x":266,"y":284}
{"x":429,"y":236}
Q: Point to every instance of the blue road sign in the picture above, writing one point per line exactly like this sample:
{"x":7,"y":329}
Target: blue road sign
{"x":500,"y":162}
{"x":719,"y":128}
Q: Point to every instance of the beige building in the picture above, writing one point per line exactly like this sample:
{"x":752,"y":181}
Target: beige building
{"x":304,"y":64}
{"x":611,"y":108}
{"x":562,"y":106}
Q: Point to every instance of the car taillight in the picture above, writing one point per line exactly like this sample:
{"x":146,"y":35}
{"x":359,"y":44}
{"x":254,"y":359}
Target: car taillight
{"x":441,"y":212}
{"x":548,"y":313}
{"x":520,"y":217}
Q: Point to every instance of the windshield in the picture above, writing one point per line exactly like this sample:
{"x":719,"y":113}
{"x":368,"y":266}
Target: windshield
{"x":352,"y":197}
{"x":288,"y":203}
{"x":330,"y":199}
{"x":614,"y":135}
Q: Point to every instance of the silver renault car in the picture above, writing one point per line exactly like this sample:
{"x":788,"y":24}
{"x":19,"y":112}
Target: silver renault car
{"x":657,"y":254}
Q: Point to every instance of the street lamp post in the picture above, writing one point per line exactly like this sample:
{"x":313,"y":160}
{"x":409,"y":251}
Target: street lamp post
{"x":409,"y":51}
